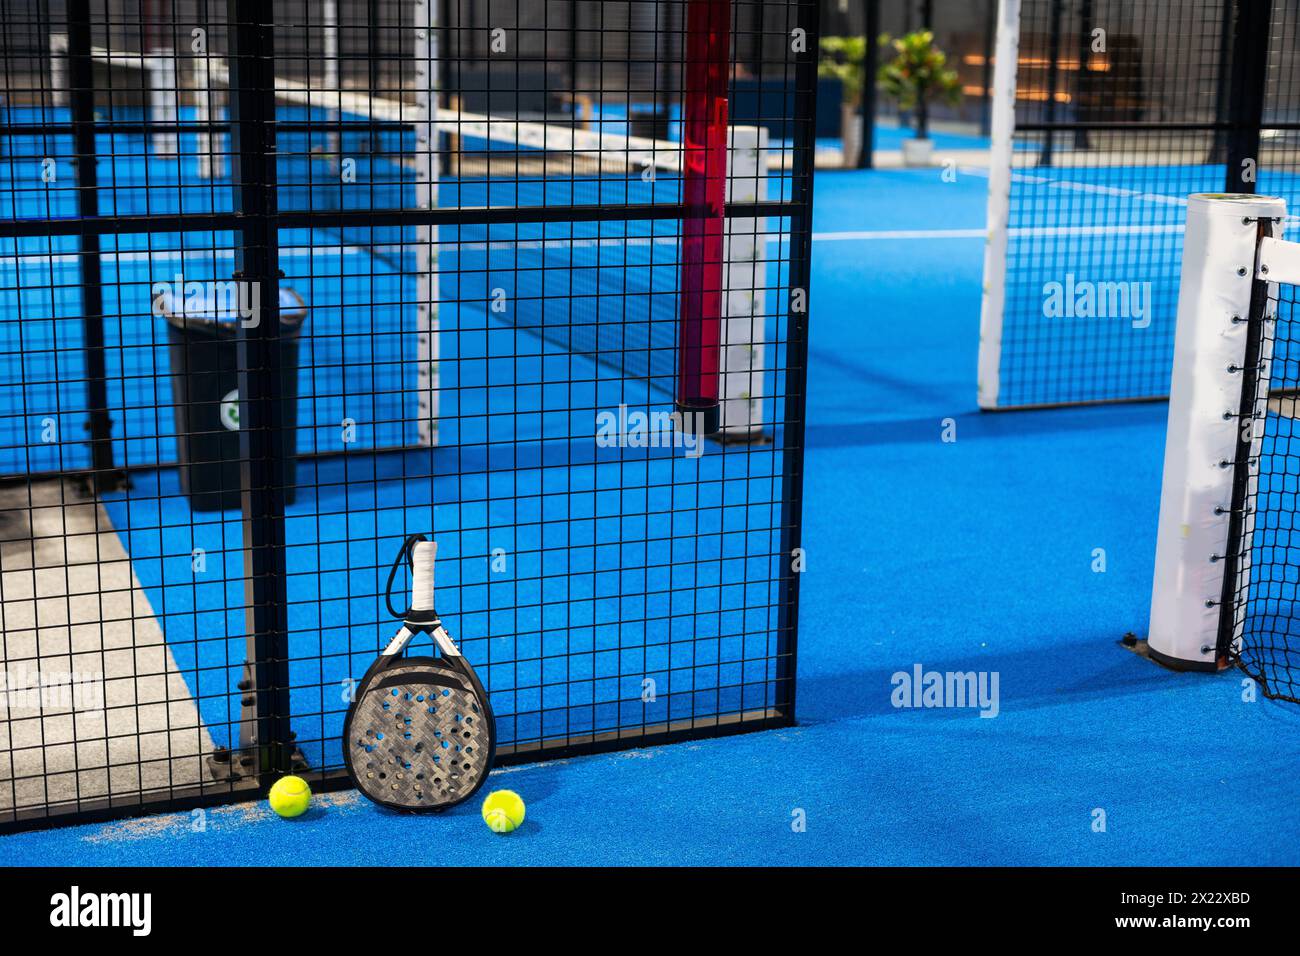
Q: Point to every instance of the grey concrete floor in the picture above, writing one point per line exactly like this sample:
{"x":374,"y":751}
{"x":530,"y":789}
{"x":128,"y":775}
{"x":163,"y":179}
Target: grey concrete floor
{"x":121,"y":721}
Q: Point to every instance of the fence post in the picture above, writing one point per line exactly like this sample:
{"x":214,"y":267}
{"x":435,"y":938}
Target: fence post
{"x":81,"y":85}
{"x":870,"y":66}
{"x":1246,"y":93}
{"x":796,"y":370}
{"x":252,"y":114}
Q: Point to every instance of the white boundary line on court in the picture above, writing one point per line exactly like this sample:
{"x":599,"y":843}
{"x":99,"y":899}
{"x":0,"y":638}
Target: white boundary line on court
{"x":851,"y":235}
{"x":893,"y":235}
{"x":170,"y":255}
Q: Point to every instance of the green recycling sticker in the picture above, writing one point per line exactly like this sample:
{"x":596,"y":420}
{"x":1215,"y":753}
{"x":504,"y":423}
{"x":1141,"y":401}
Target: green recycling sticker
{"x":230,"y":410}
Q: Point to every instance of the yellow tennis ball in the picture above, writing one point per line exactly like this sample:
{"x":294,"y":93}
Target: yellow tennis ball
{"x":290,"y":797}
{"x":503,"y":811}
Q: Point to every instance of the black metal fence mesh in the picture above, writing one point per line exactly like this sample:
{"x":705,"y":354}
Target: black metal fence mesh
{"x":283,"y":283}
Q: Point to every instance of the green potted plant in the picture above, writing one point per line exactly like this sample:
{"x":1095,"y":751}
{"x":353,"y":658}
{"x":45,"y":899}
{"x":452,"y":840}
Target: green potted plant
{"x":842,"y":59}
{"x":917,"y":76}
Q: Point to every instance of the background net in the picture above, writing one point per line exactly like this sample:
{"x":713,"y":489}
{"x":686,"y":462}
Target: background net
{"x":1123,"y":110}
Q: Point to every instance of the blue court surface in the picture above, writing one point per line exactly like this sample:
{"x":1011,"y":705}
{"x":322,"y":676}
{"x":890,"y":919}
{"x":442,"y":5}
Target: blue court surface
{"x":968,"y":555}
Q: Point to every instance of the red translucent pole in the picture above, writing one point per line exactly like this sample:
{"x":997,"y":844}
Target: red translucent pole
{"x":704,"y":192}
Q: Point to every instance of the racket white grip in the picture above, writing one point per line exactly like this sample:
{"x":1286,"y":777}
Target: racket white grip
{"x":422,"y":556}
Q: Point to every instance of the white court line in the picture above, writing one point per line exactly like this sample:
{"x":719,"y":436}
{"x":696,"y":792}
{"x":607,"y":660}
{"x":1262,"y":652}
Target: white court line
{"x":452,"y":246}
{"x":170,"y":255}
{"x":1148,"y":229}
{"x":894,"y":234}
{"x":1020,"y":232}
{"x":1098,"y":189}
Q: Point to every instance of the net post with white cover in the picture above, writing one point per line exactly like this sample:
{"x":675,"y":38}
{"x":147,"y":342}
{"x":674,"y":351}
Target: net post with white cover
{"x":744,"y":303}
{"x":1218,"y":401}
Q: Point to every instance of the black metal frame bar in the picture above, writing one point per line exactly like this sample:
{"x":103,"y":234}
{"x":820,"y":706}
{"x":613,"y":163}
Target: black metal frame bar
{"x":1251,"y":27}
{"x":1221,"y":84}
{"x":870,"y":66}
{"x":81,"y":75}
{"x":1050,"y":125}
{"x":486,"y":215}
{"x":792,"y":457}
{"x":1084,"y":81}
{"x":252,"y":111}
{"x":990,"y":44}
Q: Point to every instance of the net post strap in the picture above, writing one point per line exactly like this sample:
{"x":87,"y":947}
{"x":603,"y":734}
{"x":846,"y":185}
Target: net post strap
{"x":1279,"y":261}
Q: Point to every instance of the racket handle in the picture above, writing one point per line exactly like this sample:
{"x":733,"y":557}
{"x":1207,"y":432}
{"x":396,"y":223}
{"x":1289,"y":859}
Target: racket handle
{"x":422,"y":556}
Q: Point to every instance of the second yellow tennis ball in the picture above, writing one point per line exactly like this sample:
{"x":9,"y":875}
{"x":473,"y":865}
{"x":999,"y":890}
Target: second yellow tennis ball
{"x":290,"y":797}
{"x":503,"y":811}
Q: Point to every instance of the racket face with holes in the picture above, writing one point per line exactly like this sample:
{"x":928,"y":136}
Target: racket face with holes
{"x":420,"y":734}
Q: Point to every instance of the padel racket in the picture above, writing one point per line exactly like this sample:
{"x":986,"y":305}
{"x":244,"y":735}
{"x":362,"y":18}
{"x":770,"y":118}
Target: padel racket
{"x":419,"y":734}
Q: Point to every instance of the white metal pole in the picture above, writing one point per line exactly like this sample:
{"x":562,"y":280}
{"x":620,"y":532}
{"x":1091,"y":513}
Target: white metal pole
{"x":1003,"y":125}
{"x":426,"y":132}
{"x":59,"y":68}
{"x":164,"y":98}
{"x":211,"y":148}
{"x":744,"y":315}
{"x":333,"y":89}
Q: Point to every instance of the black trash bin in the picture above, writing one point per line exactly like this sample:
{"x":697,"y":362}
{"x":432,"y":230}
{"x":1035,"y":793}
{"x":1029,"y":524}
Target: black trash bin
{"x":649,"y":122}
{"x":202,"y":347}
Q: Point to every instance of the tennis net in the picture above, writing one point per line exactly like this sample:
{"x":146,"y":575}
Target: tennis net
{"x":1262,"y":599}
{"x":1109,"y":113}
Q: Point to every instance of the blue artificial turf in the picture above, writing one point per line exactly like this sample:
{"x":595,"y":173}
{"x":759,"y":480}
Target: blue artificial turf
{"x":889,"y":136}
{"x":589,"y":646}
{"x":976,"y":554}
